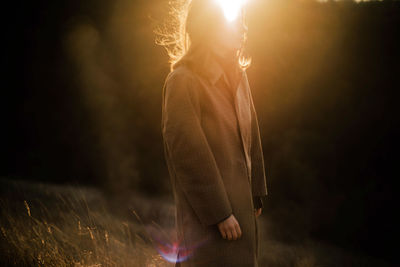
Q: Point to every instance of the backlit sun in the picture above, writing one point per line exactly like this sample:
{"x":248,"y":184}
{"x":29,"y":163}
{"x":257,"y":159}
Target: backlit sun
{"x":231,"y":8}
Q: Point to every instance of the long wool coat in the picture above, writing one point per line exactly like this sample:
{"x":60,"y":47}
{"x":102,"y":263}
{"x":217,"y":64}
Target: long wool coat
{"x":214,"y":156}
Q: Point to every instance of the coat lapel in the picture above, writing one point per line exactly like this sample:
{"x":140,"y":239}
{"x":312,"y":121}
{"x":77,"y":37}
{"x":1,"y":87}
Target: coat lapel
{"x":239,"y":84}
{"x":243,"y":115}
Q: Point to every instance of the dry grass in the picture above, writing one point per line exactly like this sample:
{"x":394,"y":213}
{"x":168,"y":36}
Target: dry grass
{"x":65,"y":231}
{"x":43,"y":225}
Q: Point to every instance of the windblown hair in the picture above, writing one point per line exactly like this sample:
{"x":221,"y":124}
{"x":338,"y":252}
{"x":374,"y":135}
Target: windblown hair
{"x":189,"y":29}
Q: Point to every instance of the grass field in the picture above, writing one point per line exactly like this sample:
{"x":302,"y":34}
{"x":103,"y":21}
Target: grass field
{"x":54,"y":225}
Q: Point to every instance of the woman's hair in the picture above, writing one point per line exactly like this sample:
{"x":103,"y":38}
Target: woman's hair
{"x":191,"y":26}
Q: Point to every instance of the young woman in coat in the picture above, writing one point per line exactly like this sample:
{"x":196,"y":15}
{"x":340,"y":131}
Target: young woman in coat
{"x":211,"y":138}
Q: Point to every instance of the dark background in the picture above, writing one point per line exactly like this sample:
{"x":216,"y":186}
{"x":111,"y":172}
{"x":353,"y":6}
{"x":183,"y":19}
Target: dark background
{"x":82,"y":105}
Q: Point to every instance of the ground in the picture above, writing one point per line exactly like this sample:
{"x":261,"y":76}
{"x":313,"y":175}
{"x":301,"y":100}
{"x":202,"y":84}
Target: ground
{"x":61,"y":225}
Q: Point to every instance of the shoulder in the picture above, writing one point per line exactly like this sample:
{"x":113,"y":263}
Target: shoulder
{"x":181,"y":80}
{"x":181,"y":75}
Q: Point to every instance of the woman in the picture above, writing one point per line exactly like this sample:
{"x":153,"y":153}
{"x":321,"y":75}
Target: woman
{"x":211,"y":138}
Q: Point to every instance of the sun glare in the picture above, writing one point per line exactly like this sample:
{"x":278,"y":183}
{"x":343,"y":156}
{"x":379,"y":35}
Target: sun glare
{"x":231,"y":8}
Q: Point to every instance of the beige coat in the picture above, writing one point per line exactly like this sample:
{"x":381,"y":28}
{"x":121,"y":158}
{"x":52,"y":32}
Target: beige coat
{"x":214,"y":156}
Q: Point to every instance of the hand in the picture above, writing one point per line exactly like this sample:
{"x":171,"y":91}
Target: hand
{"x":229,"y":228}
{"x":257,"y":212}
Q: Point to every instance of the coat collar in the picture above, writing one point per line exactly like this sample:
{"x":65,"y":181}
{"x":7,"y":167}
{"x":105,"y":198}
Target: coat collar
{"x":213,"y":70}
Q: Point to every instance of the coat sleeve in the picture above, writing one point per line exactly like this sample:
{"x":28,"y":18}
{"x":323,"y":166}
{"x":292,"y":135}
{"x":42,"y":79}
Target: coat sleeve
{"x":257,"y":202}
{"x":194,"y":165}
{"x":259,"y":185}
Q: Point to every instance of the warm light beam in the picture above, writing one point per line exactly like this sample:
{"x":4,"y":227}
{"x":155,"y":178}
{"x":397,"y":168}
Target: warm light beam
{"x":231,"y":8}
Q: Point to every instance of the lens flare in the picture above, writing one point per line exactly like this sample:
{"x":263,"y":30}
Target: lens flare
{"x":170,"y":249}
{"x":231,"y":8}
